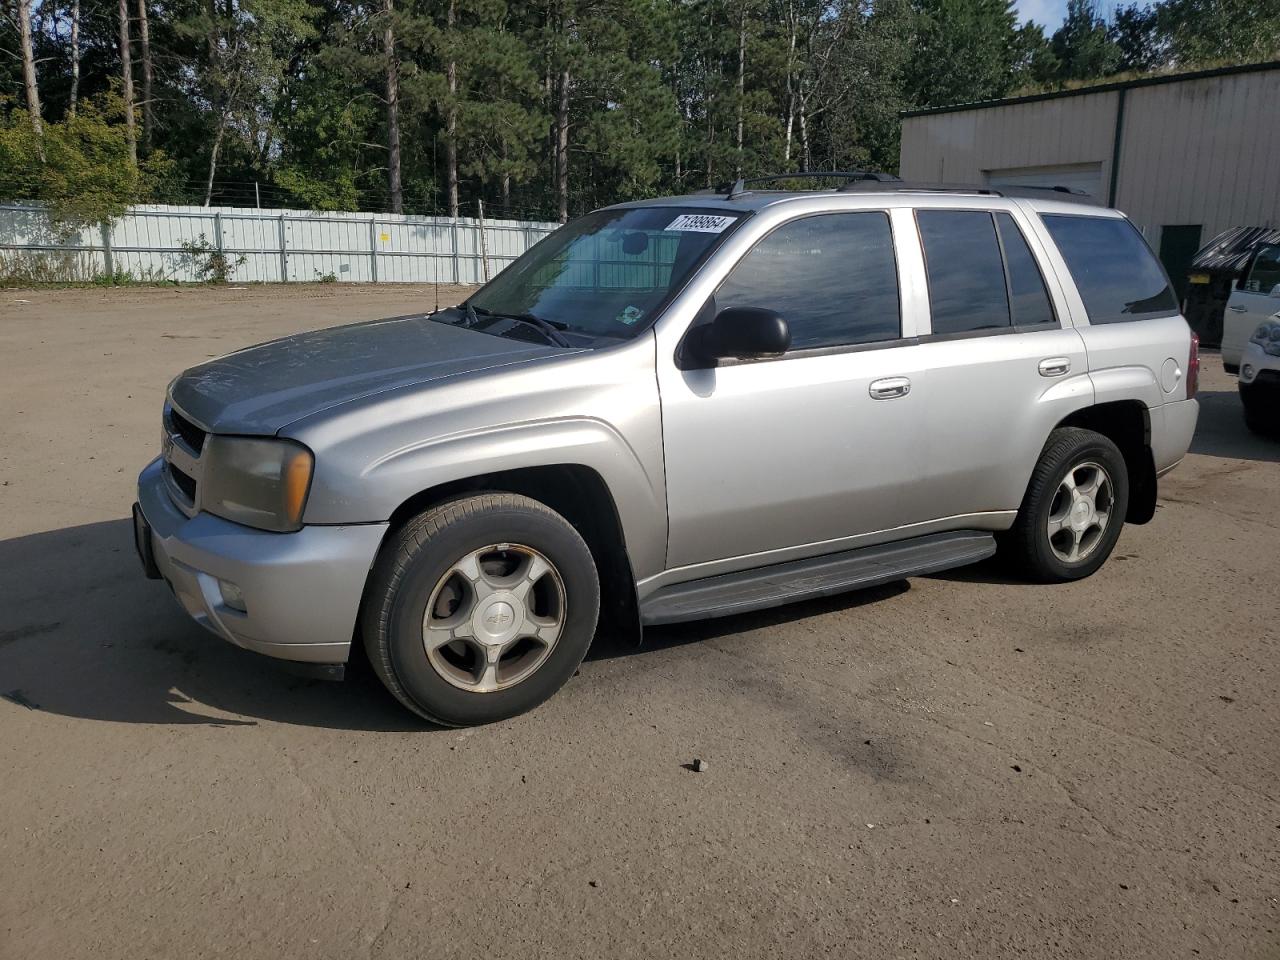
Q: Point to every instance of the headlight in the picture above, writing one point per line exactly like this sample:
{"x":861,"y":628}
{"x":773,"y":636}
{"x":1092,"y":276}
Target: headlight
{"x":1267,"y":336}
{"x":259,"y":482}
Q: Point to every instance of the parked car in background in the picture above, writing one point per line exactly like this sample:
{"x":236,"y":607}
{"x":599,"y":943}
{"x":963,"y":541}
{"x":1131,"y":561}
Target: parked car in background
{"x":1215,"y":272}
{"x":1255,"y":300}
{"x":676,"y":409}
{"x":1260,"y":379}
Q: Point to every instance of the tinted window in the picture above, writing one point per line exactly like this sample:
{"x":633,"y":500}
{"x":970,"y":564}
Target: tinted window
{"x":966,"y":276}
{"x":832,"y":277}
{"x":1028,"y":296}
{"x":1115,"y":271}
{"x":1265,"y":272}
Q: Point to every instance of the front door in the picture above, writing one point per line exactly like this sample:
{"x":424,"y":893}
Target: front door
{"x":770,"y":459}
{"x":1251,"y":303}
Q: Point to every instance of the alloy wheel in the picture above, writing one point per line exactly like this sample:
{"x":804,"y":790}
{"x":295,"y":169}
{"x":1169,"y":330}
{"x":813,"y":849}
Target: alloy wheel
{"x":494,"y":617}
{"x":1080,"y":512}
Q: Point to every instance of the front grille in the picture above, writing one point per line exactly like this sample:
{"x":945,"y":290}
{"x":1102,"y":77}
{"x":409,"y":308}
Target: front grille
{"x":191,"y":435}
{"x":182,"y":447}
{"x":183,"y":482}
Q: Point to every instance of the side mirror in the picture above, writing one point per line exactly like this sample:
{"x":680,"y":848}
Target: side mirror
{"x":1275,"y":291}
{"x":743,"y":333}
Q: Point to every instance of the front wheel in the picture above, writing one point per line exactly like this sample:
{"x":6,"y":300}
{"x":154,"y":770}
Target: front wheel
{"x":480,"y":608}
{"x":1074,"y":507}
{"x":1255,"y":412}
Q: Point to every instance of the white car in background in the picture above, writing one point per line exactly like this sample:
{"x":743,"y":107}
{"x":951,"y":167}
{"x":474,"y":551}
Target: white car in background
{"x":1260,"y":378}
{"x":1254,"y":301}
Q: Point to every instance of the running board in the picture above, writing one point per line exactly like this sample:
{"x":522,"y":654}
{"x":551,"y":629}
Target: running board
{"x":772,"y":586}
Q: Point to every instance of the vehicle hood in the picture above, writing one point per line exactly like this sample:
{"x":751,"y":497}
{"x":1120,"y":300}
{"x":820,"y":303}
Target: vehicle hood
{"x":260,"y":389}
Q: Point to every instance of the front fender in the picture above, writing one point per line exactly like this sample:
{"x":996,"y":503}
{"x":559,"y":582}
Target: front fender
{"x":577,"y":441}
{"x":373,"y":456}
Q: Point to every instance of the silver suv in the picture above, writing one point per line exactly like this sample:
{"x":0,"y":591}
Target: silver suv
{"x":676,"y":409}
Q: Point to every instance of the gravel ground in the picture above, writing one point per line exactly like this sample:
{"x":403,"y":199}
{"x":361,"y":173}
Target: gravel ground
{"x":958,"y":766}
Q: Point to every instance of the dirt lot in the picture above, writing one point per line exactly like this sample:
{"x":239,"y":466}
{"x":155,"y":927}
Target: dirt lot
{"x":957,"y":766}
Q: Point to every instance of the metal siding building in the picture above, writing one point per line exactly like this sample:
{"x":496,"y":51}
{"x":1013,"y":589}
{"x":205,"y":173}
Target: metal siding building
{"x":1185,"y":156}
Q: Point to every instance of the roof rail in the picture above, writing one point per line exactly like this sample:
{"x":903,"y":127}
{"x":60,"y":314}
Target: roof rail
{"x":904,"y":186}
{"x":739,"y":186}
{"x":1064,"y":194}
{"x":914,"y":186}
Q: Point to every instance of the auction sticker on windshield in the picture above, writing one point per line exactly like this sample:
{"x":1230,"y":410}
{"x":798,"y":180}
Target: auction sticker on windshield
{"x":699,"y":223}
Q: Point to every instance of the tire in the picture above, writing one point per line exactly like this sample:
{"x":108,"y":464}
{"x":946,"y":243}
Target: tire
{"x":479,"y":562}
{"x":1046,"y":556}
{"x":1254,"y":417}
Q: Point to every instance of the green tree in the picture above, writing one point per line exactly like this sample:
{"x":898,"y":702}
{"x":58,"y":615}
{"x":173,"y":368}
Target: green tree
{"x":1139,"y":42}
{"x":1035,"y":63}
{"x":962,"y":51}
{"x":85,"y":175}
{"x":248,"y":47}
{"x":1215,"y":31}
{"x":1082,"y":46}
{"x":851,"y":86}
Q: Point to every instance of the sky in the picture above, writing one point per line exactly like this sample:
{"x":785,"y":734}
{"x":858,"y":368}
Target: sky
{"x":1050,"y":13}
{"x":1047,"y":13}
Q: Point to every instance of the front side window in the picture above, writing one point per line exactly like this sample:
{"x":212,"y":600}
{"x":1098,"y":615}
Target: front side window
{"x":1265,"y":272}
{"x":832,"y":277}
{"x":967,"y":289}
{"x":607,"y":274}
{"x":1118,"y":276}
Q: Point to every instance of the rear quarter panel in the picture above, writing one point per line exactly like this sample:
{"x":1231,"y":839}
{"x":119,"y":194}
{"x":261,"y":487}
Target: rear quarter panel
{"x":1143,"y":360}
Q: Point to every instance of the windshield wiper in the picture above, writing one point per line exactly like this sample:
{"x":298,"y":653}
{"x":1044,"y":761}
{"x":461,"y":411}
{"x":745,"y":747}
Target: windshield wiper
{"x":548,"y":329}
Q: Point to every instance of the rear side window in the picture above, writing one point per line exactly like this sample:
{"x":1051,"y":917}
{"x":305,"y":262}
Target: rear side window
{"x":832,"y":277}
{"x":966,"y":276}
{"x":1118,"y":276}
{"x":1027,"y":294}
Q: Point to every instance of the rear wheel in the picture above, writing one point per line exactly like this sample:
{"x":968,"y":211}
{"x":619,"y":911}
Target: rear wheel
{"x":480,"y":608}
{"x":1075,"y":505}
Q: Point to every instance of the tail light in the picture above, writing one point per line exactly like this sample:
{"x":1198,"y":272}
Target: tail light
{"x":1193,"y":367}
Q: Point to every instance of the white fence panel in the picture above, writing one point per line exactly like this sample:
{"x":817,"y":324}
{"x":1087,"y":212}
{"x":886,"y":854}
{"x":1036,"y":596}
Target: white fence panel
{"x":264,"y":246}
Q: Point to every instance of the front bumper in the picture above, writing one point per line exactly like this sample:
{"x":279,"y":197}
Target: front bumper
{"x":301,"y":590}
{"x":1259,"y":369}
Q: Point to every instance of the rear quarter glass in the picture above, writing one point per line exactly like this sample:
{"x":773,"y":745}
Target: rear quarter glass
{"x":1117,"y":275}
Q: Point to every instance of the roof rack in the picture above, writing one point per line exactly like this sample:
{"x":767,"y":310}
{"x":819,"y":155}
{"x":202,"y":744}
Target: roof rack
{"x":739,"y":186}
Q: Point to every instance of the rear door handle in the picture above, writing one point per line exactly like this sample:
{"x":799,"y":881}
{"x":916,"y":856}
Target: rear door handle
{"x":1236,"y":308}
{"x":889,"y":388}
{"x":1054,"y":366}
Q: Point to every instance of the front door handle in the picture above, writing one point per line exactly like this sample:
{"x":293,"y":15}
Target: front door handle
{"x":889,"y":388}
{"x":1054,"y":366}
{"x":1236,"y":308}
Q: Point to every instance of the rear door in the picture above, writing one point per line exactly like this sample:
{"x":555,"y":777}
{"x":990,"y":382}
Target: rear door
{"x":1004,"y":366}
{"x":1255,"y":299}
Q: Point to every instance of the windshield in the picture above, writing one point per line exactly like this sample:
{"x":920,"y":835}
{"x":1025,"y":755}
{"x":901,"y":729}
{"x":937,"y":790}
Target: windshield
{"x":608,"y":273}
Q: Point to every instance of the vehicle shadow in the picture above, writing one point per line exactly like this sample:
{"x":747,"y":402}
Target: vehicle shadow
{"x":676,"y":635}
{"x":1221,"y":432}
{"x":993,"y":570}
{"x":84,"y":634}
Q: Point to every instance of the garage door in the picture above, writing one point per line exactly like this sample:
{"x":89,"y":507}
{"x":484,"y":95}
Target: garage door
{"x":1085,"y":177}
